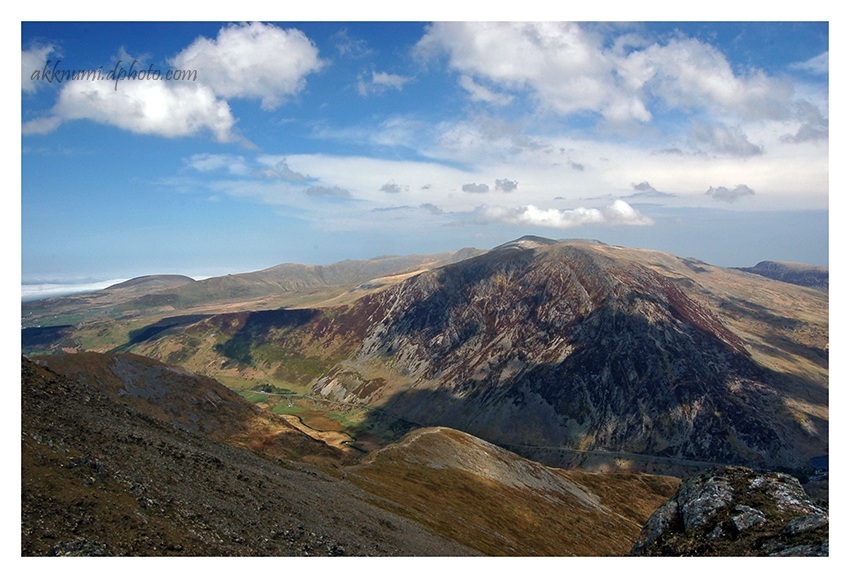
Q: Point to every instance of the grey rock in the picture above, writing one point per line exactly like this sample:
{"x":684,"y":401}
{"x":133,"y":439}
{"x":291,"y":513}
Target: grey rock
{"x":734,"y":511}
{"x":805,"y":524}
{"x":748,"y":518}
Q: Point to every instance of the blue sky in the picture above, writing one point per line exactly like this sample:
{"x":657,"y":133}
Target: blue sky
{"x":315,"y":142}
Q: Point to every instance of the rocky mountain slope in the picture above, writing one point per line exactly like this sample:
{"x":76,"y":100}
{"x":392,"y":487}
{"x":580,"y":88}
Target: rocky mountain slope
{"x":590,"y":347}
{"x":192,"y":403}
{"x":737,"y":512}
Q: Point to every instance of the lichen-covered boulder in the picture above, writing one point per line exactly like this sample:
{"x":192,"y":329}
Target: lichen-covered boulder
{"x":735,"y":511}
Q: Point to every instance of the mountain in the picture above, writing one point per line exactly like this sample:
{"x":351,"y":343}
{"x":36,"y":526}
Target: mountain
{"x":125,"y":456}
{"x":192,"y":403}
{"x":813,"y":276}
{"x":595,"y":349}
{"x":149,"y":282}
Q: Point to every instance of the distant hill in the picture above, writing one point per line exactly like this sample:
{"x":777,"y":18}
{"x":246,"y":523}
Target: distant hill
{"x":278,"y":286}
{"x":153,"y":282}
{"x":814,"y":276}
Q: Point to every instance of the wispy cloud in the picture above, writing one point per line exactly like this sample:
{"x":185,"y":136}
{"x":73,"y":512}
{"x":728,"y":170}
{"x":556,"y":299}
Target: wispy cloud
{"x":480,"y":93}
{"x":350,"y":47}
{"x":277,"y":168}
{"x":381,"y":82}
{"x":232,"y":164}
{"x":816,"y":65}
{"x":729,"y":195}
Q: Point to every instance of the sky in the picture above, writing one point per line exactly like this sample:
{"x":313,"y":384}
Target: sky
{"x":206,"y":148}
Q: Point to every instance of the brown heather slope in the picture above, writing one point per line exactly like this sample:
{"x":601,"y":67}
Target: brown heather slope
{"x":501,"y":504}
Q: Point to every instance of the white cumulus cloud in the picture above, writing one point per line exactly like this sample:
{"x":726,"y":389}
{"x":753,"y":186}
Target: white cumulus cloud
{"x":169,"y":109}
{"x":617,"y":213}
{"x":570,"y":69}
{"x":253,"y":61}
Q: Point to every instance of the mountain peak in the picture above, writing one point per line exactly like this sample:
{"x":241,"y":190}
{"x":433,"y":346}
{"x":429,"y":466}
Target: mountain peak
{"x":525,"y":242}
{"x":533,"y":242}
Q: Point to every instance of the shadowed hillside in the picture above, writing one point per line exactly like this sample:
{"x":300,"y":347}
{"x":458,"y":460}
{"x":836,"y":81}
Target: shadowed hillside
{"x":795,"y":273}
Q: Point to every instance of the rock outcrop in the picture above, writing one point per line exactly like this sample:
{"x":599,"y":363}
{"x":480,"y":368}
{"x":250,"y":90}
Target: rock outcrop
{"x":736,"y":511}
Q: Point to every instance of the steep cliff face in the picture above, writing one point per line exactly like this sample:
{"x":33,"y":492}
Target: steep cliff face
{"x":564,"y":345}
{"x":737,"y":512}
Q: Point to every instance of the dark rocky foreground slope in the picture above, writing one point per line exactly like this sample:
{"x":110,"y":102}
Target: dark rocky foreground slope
{"x":737,"y":512}
{"x":101,"y":478}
